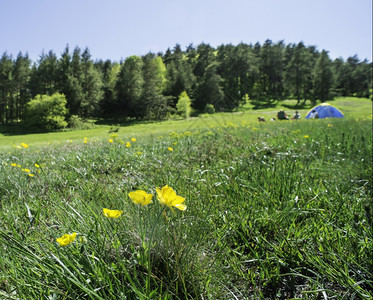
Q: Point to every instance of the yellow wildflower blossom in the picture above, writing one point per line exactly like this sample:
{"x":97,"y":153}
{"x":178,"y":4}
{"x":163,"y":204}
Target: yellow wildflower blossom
{"x":31,"y":175}
{"x":13,"y":164}
{"x":170,"y":149}
{"x":306,"y":136}
{"x":128,"y":144}
{"x":168,"y":196}
{"x":66,"y":239}
{"x":112,"y":213}
{"x":141,"y":197}
{"x":37,"y":166}
{"x":133,"y":139}
{"x":111,"y":141}
{"x":24,"y":145}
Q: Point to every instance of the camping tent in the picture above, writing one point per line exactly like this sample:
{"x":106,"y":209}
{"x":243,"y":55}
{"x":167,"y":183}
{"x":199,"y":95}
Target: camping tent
{"x":325,"y":110}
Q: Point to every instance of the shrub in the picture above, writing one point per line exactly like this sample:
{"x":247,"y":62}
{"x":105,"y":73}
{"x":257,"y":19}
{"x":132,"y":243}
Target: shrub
{"x":46,"y":112}
{"x":76,"y":122}
{"x":209,"y":109}
{"x":184,"y":105}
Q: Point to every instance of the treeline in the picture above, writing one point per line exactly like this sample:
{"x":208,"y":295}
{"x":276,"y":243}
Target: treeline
{"x":149,"y":87}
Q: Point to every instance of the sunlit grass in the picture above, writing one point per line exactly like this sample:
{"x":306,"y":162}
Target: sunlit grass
{"x":273,"y":210}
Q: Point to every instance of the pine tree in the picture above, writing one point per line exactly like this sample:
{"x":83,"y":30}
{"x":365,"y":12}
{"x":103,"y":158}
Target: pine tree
{"x":209,"y":91}
{"x":129,"y":88}
{"x":323,"y":78}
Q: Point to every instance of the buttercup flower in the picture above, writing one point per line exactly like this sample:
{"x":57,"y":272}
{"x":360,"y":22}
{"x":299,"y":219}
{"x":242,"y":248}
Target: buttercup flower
{"x":111,"y":140}
{"x":13,"y":164}
{"x":112,"y":213}
{"x":66,"y":239}
{"x":306,"y":136}
{"x":170,"y":149}
{"x":133,"y":139}
{"x":141,"y":197}
{"x":168,"y":196}
{"x":24,"y":145}
{"x":128,"y":144}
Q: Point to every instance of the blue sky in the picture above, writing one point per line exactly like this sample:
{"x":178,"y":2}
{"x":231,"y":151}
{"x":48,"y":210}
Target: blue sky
{"x":116,"y":29}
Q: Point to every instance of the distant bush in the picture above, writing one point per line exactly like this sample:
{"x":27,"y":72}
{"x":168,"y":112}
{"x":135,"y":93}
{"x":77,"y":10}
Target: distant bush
{"x":209,"y":109}
{"x":46,"y":112}
{"x":184,"y":105}
{"x":75,"y":122}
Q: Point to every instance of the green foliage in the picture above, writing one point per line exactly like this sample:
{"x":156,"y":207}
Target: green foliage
{"x":148,"y":87}
{"x":209,"y":109}
{"x":323,"y":78}
{"x":46,"y":112}
{"x":77,"y":123}
{"x":155,"y":107}
{"x":184,"y":105}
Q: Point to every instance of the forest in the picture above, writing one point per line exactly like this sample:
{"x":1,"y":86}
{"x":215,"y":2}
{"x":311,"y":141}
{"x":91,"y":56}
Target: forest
{"x":73,"y":86}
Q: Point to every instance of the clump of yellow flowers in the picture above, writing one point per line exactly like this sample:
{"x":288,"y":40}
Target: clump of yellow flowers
{"x":112,"y":213}
{"x":66,"y":239}
{"x":166,"y":196}
{"x":141,"y":197}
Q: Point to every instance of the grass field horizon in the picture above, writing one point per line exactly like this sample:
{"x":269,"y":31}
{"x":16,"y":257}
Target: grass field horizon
{"x":352,"y":108}
{"x":214,"y":207}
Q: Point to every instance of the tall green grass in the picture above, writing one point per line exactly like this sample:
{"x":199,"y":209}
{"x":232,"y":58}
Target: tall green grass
{"x":277,"y":210}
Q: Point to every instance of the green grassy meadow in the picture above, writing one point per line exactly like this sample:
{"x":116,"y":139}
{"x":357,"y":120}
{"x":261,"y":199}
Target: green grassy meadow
{"x":275,"y":210}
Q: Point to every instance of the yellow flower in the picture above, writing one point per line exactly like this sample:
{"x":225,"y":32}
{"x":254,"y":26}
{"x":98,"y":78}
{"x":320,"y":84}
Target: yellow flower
{"x":37,"y":166}
{"x":133,"y":139}
{"x":66,"y":239}
{"x":141,"y":197}
{"x":13,"y":164}
{"x":85,"y":140}
{"x":330,"y":125}
{"x":24,"y":145}
{"x":128,"y":144}
{"x":111,"y":140}
{"x":31,"y":175}
{"x":170,"y":149}
{"x":306,"y":136}
{"x":26,"y":170}
{"x":109,"y":213}
{"x":168,"y":196}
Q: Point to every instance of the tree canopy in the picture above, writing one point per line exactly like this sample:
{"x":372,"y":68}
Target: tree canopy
{"x":149,"y":87}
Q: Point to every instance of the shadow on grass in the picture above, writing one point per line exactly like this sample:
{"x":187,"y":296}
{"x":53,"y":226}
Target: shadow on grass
{"x":18,"y":129}
{"x":262,"y":104}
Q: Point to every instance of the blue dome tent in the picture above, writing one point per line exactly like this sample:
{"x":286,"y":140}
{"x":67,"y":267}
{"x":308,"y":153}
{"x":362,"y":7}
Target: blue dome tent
{"x":325,"y":110}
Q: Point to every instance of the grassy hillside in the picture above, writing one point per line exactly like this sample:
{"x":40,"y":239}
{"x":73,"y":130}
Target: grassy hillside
{"x":351,"y":107}
{"x":273,"y":210}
